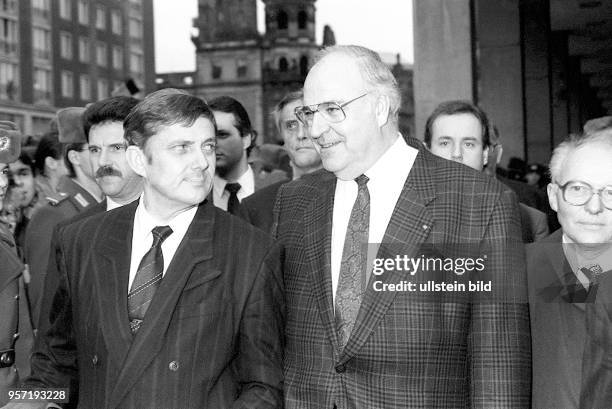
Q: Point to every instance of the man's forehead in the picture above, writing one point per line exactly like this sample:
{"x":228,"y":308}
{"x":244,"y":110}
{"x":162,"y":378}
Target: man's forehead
{"x":201,"y":129}
{"x":591,"y":163}
{"x":105,"y":131}
{"x":335,"y":77}
{"x":288,"y":111}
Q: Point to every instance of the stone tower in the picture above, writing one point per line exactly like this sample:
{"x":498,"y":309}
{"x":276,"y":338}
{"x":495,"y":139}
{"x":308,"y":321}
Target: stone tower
{"x":288,"y":45}
{"x":229,"y":54}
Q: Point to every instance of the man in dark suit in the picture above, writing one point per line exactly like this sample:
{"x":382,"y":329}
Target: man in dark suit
{"x":103,"y":128}
{"x":257,"y":208}
{"x":151,"y":310}
{"x":460,"y":131}
{"x":354,"y":338}
{"x":570,"y":275}
{"x":235,"y":179}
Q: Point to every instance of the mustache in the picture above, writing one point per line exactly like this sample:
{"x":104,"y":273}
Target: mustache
{"x":107,"y":171}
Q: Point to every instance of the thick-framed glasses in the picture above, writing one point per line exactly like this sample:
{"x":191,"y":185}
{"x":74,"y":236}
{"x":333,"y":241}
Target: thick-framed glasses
{"x":331,"y":111}
{"x":578,"y":193}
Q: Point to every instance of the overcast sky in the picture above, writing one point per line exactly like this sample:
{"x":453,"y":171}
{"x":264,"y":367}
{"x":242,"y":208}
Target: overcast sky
{"x":383,"y":25}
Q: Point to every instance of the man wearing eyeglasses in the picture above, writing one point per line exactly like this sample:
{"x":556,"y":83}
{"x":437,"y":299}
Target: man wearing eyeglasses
{"x":350,"y":343}
{"x":570,"y":280}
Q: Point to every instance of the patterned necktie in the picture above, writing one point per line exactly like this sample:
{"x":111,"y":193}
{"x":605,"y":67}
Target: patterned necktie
{"x":147,"y":279}
{"x":351,"y":283}
{"x":592,"y":272}
{"x":233,"y":203}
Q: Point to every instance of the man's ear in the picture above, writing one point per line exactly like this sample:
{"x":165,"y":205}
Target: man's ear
{"x":137,"y":159}
{"x":553,"y":200}
{"x":74,"y":158}
{"x":485,"y":156}
{"x":51,"y":162}
{"x":248,"y":139}
{"x":382,"y":110}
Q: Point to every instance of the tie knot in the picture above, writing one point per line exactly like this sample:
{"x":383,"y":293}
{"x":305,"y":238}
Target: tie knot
{"x":362,"y":180}
{"x":233,"y":188}
{"x":592,"y":272}
{"x":160,"y":233}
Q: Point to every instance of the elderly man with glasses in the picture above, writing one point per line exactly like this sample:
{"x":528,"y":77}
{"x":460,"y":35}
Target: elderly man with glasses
{"x":354,"y":337}
{"x":570,"y":282}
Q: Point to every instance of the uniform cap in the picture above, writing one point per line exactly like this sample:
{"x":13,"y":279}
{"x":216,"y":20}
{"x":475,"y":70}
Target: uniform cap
{"x":10,"y":142}
{"x":70,"y":125}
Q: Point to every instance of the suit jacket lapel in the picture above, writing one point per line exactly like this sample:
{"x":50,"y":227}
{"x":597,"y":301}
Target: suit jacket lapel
{"x":410,"y":225}
{"x":317,"y":245}
{"x":111,"y":278}
{"x":196,"y":247}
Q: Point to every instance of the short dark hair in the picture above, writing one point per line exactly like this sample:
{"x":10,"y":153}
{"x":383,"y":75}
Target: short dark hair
{"x":113,"y":109}
{"x":455,"y":108}
{"x":165,"y":107}
{"x":230,"y":105}
{"x":74,"y":146}
{"x":49,"y":145}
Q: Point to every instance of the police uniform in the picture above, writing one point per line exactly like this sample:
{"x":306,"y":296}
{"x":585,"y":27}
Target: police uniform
{"x":14,"y":313}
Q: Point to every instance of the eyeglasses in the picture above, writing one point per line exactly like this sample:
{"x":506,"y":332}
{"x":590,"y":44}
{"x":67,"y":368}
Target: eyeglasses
{"x":330,"y":111}
{"x":578,"y":193}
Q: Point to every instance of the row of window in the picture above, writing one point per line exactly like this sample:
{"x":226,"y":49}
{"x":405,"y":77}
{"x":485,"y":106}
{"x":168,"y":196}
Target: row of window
{"x":134,"y":26}
{"x":282,"y":20}
{"x":84,"y":53}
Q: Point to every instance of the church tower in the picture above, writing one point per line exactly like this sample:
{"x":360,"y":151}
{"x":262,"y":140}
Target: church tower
{"x":289,"y":45}
{"x":229,"y":54}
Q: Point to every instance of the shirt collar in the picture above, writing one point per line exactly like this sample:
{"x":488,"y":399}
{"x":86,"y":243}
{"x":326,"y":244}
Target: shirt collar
{"x":247,"y":181}
{"x":145,"y":221}
{"x":111,"y":204}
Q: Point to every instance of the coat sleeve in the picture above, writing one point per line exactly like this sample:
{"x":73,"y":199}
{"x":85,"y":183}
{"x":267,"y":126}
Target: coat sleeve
{"x":54,"y":357}
{"x":499,"y":341}
{"x":259,"y":365}
{"x":9,"y":314}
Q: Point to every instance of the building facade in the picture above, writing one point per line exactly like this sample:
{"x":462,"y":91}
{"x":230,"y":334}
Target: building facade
{"x":233,"y":59}
{"x":58,"y":53}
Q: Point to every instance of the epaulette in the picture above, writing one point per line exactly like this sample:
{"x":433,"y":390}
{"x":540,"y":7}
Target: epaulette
{"x":56,"y":199}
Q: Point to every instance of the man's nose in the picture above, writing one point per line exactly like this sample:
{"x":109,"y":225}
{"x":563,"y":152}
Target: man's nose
{"x":594,"y":205}
{"x":318,"y":126}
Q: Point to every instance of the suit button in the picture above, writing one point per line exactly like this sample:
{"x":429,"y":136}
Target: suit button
{"x":174,"y":366}
{"x":341,"y":368}
{"x":94,"y":360}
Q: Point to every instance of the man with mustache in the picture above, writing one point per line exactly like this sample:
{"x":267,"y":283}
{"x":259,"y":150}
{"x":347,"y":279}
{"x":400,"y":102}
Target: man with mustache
{"x":151,"y":309}
{"x":103,"y":127}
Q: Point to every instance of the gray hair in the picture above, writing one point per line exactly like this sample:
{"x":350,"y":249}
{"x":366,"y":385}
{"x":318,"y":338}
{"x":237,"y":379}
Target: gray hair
{"x":573,"y":142}
{"x":287,"y":99}
{"x":373,"y":70}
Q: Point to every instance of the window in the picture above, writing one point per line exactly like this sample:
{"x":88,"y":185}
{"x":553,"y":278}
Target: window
{"x":65,"y":9}
{"x":8,"y":81}
{"x":41,"y":43}
{"x":116,"y":23}
{"x":8,"y":36}
{"x":283,"y":65}
{"x":8,"y":5}
{"x":100,"y":18}
{"x":241,"y":69}
{"x":216,"y":71}
{"x":66,"y":45}
{"x":136,"y":63}
{"x":85,"y":87}
{"x":83,"y":12}
{"x":67,"y":84}
{"x":101,"y":54}
{"x":304,"y":65}
{"x":282,"y":20}
{"x":117,"y":58}
{"x":102,"y":88}
{"x":40,"y":9}
{"x":302,"y":20}
{"x":135,"y":28}
{"x":83,"y":49}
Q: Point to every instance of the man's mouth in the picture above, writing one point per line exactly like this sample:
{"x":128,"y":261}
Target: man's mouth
{"x":328,"y":144}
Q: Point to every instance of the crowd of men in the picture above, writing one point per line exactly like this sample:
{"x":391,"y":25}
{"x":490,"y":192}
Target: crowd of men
{"x":151,"y":264}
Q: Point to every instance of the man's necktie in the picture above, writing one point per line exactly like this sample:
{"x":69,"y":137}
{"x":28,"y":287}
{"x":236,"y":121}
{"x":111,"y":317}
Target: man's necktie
{"x":147,"y":279}
{"x":592,"y":272}
{"x":233,"y":203}
{"x":351,"y":283}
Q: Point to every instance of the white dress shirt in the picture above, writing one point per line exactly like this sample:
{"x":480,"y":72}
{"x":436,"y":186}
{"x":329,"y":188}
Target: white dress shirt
{"x":247,"y":188}
{"x":142,"y":238}
{"x":386,"y":181}
{"x":111,"y":204}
